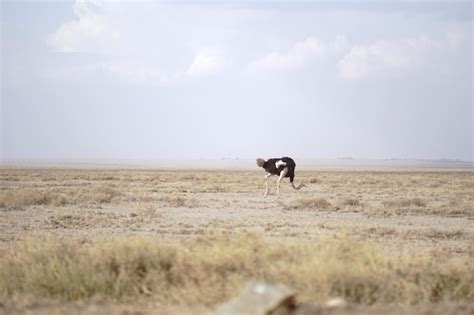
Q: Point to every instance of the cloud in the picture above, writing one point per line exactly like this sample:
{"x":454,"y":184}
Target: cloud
{"x":90,"y":33}
{"x":390,"y":58}
{"x":149,"y":71}
{"x":205,"y":63}
{"x":119,"y":32}
{"x":300,"y":54}
{"x":385,"y":57}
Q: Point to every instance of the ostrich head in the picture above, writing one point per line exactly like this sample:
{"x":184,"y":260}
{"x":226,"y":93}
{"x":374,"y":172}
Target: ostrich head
{"x":260,"y":162}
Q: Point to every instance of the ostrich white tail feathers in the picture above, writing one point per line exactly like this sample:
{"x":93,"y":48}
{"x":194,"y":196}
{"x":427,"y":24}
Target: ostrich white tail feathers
{"x":299,"y":186}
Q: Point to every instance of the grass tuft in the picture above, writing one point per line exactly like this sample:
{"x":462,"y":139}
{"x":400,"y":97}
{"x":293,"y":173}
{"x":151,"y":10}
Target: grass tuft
{"x":176,"y":201}
{"x":101,"y":194}
{"x":404,"y":202}
{"x":311,"y":203}
{"x":351,"y":202}
{"x":16,"y":199}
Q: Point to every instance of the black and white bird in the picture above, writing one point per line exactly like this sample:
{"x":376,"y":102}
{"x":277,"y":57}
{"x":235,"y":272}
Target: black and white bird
{"x":283,"y":167}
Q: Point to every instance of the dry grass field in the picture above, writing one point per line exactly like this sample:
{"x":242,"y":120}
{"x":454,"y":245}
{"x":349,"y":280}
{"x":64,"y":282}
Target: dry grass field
{"x":91,"y":240}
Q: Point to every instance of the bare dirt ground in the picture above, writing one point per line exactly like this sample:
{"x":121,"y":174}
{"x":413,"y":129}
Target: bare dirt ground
{"x":401,"y":211}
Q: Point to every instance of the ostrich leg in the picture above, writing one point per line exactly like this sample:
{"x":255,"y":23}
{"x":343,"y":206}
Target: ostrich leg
{"x":282,"y":175}
{"x":266,"y":184}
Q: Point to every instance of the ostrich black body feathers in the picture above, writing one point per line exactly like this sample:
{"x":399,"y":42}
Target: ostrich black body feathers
{"x":274,"y":166}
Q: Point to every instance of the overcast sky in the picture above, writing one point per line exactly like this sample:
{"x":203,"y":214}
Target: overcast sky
{"x":168,"y":80}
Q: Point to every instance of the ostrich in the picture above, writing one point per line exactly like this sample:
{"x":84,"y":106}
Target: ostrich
{"x":283,"y":167}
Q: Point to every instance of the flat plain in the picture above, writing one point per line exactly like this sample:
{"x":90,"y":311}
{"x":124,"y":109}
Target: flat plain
{"x":411,"y":229}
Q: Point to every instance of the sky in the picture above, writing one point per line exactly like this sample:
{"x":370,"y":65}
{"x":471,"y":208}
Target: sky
{"x":144,"y":80}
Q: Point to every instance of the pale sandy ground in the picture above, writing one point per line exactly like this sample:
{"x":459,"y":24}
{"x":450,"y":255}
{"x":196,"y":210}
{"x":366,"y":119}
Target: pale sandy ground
{"x":402,"y":210}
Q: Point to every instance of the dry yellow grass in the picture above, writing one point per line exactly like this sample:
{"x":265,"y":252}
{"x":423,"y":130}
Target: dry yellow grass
{"x":179,"y":201}
{"x":15,"y":199}
{"x":101,"y":194}
{"x":22,"y":198}
{"x":405,"y":202}
{"x":351,"y":202}
{"x":308,"y":203}
{"x":210,"y":269}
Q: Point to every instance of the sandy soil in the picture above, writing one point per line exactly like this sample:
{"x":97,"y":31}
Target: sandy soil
{"x":173,"y":204}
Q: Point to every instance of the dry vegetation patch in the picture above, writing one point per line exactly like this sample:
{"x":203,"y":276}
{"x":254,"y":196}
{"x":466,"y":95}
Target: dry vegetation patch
{"x":101,"y":194}
{"x":175,"y":201}
{"x":208,"y":270}
{"x":312,"y":203}
{"x":351,"y":202}
{"x":19,"y":198}
{"x":70,"y":221}
{"x":404,"y":202}
{"x":433,"y":233}
{"x":308,"y":203}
